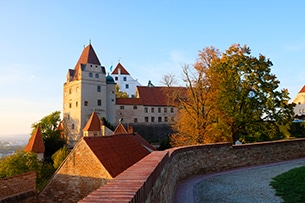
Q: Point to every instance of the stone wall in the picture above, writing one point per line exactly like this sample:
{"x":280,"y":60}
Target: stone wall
{"x":80,"y":174}
{"x":19,"y":188}
{"x":155,"y":177}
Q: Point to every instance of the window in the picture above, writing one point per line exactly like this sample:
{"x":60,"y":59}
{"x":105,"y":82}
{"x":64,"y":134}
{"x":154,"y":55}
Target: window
{"x":90,"y":75}
{"x":165,"y":119}
{"x":165,"y":110}
{"x":76,"y":104}
{"x":145,"y":110}
{"x":116,"y":78}
{"x":135,"y":107}
{"x":124,"y":79}
{"x":99,"y":102}
{"x":112,"y":100}
{"x":135,"y":120}
{"x":146,"y":119}
{"x":68,"y":116}
{"x":86,"y":103}
{"x":70,"y":91}
{"x":97,"y":75}
{"x":172,"y":110}
{"x":159,"y":119}
{"x":127,"y":86}
{"x":98,"y":88}
{"x":121,"y":107}
{"x":70,"y":105}
{"x":152,"y":110}
{"x":72,"y":126}
{"x":159,"y":110}
{"x":152,"y":119}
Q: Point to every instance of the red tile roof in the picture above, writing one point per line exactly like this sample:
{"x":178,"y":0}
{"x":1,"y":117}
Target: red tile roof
{"x":93,"y":124}
{"x":117,"y":152}
{"x":120,"y":130}
{"x":88,"y":56}
{"x":35,"y":143}
{"x":122,"y":70}
{"x":302,"y":90}
{"x":151,"y":96}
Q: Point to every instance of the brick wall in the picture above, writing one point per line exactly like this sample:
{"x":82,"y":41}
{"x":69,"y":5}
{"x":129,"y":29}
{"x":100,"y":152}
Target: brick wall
{"x":19,"y":188}
{"x":155,"y":177}
{"x":80,"y":174}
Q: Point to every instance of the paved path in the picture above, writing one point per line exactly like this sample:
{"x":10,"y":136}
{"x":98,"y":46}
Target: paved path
{"x":245,"y":185}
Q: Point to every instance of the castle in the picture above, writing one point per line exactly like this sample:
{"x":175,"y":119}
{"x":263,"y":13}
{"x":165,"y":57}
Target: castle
{"x":89,"y":89}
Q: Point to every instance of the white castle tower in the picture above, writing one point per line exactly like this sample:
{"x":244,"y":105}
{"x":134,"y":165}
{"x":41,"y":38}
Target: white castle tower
{"x":86,"y":90}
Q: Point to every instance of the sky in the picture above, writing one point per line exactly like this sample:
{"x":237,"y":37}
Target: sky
{"x":41,"y":40}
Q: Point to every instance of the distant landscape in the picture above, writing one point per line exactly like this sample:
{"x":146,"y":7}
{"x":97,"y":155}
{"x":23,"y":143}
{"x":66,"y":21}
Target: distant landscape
{"x":10,"y":143}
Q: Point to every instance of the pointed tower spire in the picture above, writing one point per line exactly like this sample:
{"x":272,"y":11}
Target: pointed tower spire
{"x":93,"y":126}
{"x":36,"y":144}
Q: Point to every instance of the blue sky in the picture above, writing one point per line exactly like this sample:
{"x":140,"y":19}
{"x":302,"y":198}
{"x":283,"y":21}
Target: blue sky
{"x":41,"y":40}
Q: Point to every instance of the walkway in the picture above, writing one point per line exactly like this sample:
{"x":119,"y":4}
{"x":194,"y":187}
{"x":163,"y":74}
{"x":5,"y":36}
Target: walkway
{"x":243,"y":185}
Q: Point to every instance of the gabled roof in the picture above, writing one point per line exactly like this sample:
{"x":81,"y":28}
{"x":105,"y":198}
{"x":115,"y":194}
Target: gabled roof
{"x":35,"y":143}
{"x":152,"y":96}
{"x":123,"y":71}
{"x":120,"y":130}
{"x":93,"y":124}
{"x":302,"y":90}
{"x":117,"y":152}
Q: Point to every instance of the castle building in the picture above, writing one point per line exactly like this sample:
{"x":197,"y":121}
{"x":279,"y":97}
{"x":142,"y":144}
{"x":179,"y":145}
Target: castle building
{"x":86,"y":89}
{"x":150,"y":105}
{"x":124,"y":80}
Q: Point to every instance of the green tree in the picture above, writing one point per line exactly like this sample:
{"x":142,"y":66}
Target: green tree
{"x":50,"y":134}
{"x":18,"y":163}
{"x":232,"y":96}
{"x":119,"y":93}
{"x":59,"y":156}
{"x":297,"y":129}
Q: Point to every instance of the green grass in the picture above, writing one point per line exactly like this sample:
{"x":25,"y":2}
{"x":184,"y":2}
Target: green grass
{"x":290,"y":185}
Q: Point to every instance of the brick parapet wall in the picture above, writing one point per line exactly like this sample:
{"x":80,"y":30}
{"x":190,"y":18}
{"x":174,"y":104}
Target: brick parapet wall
{"x":154,"y":178}
{"x":19,"y":188}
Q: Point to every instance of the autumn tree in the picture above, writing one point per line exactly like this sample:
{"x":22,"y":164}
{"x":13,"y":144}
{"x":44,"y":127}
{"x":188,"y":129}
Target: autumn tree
{"x":119,"y":93}
{"x":232,"y":96}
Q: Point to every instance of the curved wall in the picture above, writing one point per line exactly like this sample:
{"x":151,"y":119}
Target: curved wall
{"x":155,"y":177}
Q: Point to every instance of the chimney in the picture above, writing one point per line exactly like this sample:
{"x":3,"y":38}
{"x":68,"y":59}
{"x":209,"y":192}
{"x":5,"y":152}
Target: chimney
{"x":130,"y":129}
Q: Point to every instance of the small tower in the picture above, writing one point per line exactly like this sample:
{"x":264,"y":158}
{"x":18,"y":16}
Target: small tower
{"x":93,"y":126}
{"x":36,"y":144}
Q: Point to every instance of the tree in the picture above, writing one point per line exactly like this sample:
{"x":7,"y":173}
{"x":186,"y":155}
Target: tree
{"x":232,"y":96}
{"x":169,"y":80}
{"x":50,"y":133}
{"x":59,"y":156}
{"x":18,"y":163}
{"x":119,"y":93}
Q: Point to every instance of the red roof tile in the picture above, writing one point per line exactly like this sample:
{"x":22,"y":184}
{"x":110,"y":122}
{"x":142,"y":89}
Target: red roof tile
{"x":35,"y":143}
{"x":117,"y":152}
{"x":150,"y":96}
{"x":93,"y":124}
{"x":88,"y":56}
{"x":120,"y":130}
{"x":302,"y":90}
{"x":123,"y":71}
